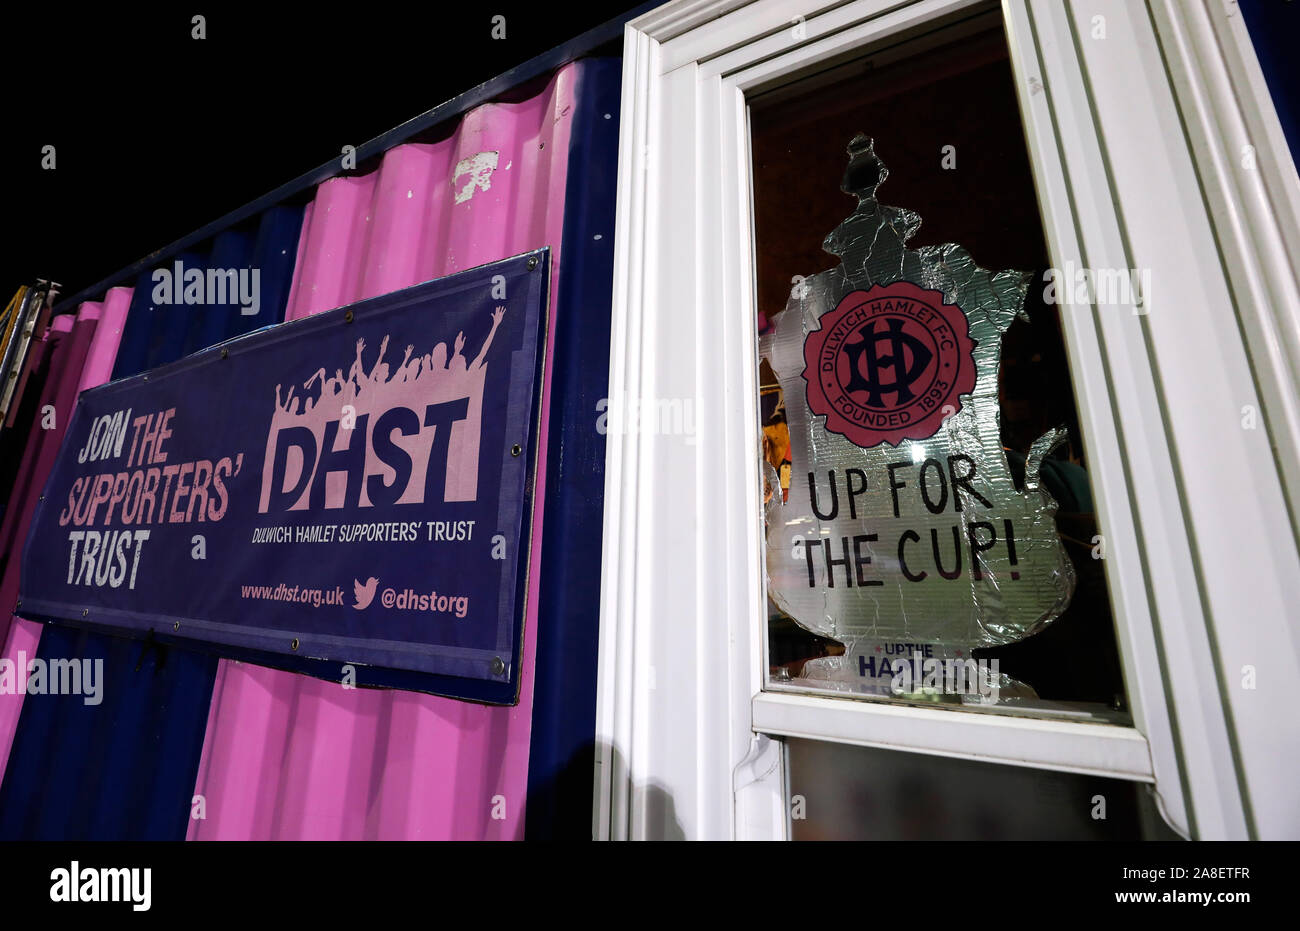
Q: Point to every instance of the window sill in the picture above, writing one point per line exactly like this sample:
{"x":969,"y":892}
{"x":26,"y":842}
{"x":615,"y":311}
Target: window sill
{"x":1092,"y":749}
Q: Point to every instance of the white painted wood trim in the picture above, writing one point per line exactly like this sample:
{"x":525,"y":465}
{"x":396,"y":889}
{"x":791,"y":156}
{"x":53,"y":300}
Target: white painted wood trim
{"x":1201,"y":552}
{"x":1108,"y":364}
{"x":1065,"y":746}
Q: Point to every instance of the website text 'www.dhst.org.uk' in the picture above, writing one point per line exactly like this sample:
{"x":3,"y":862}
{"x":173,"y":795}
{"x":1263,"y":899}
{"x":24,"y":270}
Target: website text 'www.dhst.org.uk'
{"x":295,"y":594}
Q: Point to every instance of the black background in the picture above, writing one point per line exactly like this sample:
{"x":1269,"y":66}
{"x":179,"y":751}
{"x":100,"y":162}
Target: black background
{"x":917,"y":887}
{"x":158,"y":134}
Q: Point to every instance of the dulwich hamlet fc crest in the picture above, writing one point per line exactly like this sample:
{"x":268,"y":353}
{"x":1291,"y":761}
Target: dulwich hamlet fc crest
{"x":889,"y":364}
{"x":904,"y":525}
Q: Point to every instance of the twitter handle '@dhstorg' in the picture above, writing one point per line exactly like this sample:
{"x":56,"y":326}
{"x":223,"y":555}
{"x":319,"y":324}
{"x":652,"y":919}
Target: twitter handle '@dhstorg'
{"x":411,"y":600}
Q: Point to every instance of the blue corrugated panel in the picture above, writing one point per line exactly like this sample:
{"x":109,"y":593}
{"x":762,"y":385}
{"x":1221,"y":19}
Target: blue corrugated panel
{"x":564,"y":703}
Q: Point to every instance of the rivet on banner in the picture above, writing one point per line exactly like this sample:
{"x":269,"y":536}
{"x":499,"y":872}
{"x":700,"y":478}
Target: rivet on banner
{"x":293,"y":644}
{"x":516,"y":450}
{"x":347,"y":317}
{"x":532,"y":262}
{"x":498,"y":666}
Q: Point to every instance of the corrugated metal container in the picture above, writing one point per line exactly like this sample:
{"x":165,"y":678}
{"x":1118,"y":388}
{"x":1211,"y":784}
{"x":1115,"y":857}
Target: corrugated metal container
{"x":275,"y":754}
{"x":22,"y":636}
{"x":124,"y":768}
{"x":290,"y":757}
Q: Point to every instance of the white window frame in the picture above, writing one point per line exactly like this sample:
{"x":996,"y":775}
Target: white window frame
{"x":684,"y":726}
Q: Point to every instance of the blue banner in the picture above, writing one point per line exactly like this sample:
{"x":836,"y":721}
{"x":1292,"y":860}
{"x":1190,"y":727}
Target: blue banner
{"x":354,"y":488}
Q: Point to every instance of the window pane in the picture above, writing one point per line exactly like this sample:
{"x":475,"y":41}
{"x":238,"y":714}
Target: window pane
{"x":844,"y":792}
{"x":931,"y":536}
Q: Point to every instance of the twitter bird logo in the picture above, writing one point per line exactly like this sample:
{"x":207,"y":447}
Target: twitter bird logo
{"x":364,"y":593}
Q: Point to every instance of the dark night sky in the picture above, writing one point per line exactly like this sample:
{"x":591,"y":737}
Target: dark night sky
{"x":158,"y":134}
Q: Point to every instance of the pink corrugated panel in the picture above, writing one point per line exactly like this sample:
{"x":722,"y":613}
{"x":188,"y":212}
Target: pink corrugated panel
{"x":291,"y":757}
{"x":108,"y":336}
{"x":24,"y":635}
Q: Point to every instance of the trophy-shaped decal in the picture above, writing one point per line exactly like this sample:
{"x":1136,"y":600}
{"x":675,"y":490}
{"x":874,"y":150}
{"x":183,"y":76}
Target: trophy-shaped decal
{"x":903,"y":522}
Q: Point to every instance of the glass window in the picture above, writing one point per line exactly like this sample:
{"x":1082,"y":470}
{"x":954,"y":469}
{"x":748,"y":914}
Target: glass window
{"x":931,"y":531}
{"x":843,"y":792}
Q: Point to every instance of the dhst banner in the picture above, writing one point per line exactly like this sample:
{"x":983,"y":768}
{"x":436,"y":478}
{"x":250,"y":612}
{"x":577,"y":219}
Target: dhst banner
{"x":354,"y":487}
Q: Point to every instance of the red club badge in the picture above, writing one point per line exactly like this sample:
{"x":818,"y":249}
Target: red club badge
{"x":889,"y":364}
